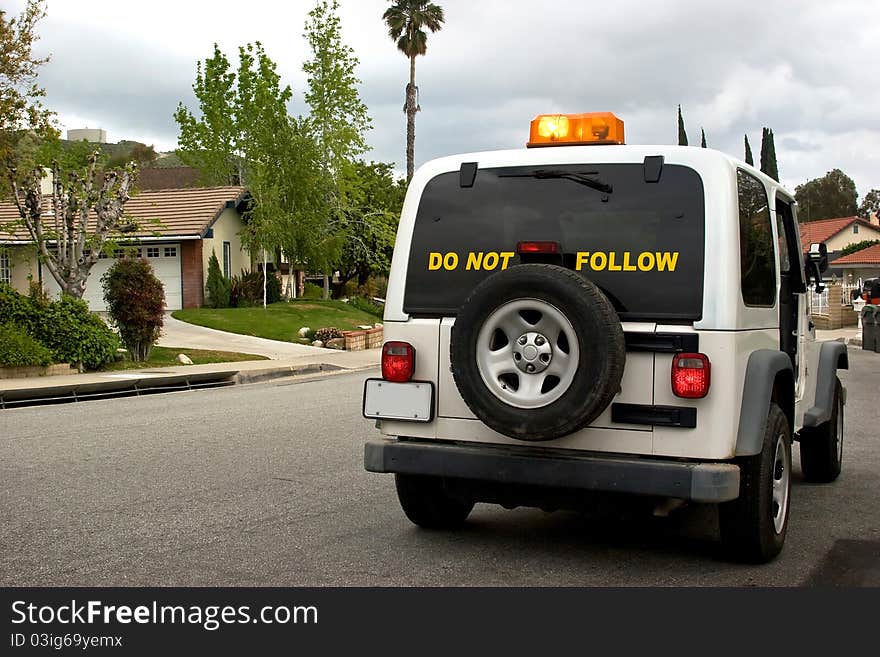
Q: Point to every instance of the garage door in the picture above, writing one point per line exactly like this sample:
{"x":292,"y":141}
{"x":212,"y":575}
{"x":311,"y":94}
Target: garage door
{"x":165,"y":260}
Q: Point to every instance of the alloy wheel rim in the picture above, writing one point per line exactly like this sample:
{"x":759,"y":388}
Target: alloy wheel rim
{"x":527,"y":353}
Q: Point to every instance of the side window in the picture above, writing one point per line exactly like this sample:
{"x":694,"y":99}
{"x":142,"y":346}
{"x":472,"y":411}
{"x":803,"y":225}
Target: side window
{"x":5,"y":268}
{"x":782,"y":243}
{"x":227,"y":259}
{"x":757,"y":260}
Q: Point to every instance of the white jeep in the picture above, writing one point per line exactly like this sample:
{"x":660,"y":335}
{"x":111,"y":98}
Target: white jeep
{"x":576,"y":317}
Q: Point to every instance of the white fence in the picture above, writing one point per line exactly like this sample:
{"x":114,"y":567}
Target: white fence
{"x":842,"y":295}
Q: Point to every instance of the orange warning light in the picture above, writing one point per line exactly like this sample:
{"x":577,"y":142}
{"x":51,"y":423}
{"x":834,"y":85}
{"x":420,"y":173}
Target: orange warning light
{"x":575,"y":129}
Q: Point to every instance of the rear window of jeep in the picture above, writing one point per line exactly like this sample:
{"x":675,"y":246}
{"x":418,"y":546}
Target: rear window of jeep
{"x":641,"y":242}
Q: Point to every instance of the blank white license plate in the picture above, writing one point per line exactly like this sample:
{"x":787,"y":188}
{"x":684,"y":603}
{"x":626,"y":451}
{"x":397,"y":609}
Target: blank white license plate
{"x":413,"y":401}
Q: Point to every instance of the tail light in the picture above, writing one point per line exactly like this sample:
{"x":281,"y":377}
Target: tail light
{"x":537,"y":247}
{"x":690,"y":375}
{"x":398,"y":361}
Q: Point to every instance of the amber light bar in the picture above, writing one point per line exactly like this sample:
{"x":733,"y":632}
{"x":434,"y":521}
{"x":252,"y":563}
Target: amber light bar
{"x":575,"y":129}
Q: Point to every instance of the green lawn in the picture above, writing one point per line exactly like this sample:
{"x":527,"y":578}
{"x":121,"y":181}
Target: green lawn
{"x":167,"y":357}
{"x":279,"y":321}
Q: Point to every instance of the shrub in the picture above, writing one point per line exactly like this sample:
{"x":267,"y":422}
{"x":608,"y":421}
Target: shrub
{"x":16,"y":308}
{"x":135,"y":302}
{"x":366,"y":305}
{"x":326,"y":334}
{"x":219,"y":288}
{"x":247,"y":289}
{"x":66,"y":327}
{"x":18,"y":349}
{"x":312,"y":291}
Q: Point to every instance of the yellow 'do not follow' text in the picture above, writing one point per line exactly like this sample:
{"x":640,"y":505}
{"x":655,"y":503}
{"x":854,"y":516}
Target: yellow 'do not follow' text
{"x":591,"y":260}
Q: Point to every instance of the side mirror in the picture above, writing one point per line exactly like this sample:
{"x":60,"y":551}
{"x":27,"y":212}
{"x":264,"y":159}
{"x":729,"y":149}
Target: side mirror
{"x":817,"y":262}
{"x":818,"y":254}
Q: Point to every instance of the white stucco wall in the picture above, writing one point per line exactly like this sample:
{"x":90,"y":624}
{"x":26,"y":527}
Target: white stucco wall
{"x":847,"y":236}
{"x":23,"y":261}
{"x":227,"y":228}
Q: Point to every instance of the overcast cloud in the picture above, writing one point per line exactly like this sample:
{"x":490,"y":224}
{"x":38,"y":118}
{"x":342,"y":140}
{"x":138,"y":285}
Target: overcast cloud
{"x":806,"y":68}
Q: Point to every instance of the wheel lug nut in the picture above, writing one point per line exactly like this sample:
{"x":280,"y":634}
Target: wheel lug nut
{"x":523,"y":339}
{"x":530,"y":367}
{"x":539,"y":340}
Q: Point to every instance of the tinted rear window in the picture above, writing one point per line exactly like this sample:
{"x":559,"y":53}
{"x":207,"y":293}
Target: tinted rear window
{"x":642,"y":243}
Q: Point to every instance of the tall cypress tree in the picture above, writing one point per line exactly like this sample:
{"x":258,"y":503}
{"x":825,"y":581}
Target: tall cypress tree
{"x":763,"y":160}
{"x":703,"y":138}
{"x":772,"y":169}
{"x":749,"y":158}
{"x":682,"y":135}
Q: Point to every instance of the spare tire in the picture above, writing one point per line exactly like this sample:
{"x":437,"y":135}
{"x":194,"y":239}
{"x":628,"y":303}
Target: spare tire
{"x":537,"y":352}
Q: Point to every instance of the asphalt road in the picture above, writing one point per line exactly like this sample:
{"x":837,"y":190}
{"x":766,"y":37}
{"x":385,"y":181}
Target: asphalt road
{"x":264,"y":485}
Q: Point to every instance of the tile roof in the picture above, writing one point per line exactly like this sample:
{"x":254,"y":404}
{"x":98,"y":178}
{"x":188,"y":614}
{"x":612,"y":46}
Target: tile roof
{"x":182,"y":212}
{"x":823,"y":230}
{"x":867,"y":256}
{"x":167,"y":178}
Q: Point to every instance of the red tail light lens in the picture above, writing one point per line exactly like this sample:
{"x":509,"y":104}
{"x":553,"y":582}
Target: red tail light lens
{"x":690,"y":375}
{"x":537,"y":247}
{"x":398,"y":361}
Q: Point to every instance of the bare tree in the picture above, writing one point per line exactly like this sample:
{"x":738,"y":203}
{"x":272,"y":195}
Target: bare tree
{"x":84,"y":213}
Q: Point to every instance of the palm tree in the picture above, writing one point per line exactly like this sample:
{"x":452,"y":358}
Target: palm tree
{"x":407,"y":20}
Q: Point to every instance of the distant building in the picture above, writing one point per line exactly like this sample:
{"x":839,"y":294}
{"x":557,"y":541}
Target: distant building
{"x":92,"y":135}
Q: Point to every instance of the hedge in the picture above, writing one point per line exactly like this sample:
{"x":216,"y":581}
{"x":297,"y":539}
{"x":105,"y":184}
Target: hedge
{"x":18,"y":349}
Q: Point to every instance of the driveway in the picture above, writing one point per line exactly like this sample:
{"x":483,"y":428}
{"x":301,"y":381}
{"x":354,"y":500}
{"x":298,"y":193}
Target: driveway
{"x":180,"y":334}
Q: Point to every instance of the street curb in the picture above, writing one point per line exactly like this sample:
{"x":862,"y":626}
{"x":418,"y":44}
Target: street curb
{"x":259,"y":376}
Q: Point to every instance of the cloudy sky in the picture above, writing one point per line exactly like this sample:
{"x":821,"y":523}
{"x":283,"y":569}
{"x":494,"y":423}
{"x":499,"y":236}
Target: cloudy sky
{"x":806,"y":68}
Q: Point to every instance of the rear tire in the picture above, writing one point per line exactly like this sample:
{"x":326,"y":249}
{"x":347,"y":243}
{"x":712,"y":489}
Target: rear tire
{"x":822,"y":447}
{"x":754,"y":525}
{"x":426,"y":502}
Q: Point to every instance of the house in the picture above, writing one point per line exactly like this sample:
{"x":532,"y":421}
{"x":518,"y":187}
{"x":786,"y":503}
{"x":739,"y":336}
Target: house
{"x":857,"y":266}
{"x":837,"y":233}
{"x":178,"y":231}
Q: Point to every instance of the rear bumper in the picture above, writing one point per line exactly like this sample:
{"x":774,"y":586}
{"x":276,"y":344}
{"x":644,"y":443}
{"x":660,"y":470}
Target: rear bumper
{"x":701,"y":482}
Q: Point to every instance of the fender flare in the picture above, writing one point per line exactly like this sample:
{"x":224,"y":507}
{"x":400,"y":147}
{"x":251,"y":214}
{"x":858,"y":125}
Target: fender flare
{"x":761,"y":371}
{"x":832,"y":356}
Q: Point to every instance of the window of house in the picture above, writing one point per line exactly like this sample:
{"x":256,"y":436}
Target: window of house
{"x":855,"y":229}
{"x":757,"y":261}
{"x":5,"y":268}
{"x":118,"y":253}
{"x":153,"y":252}
{"x":227,"y":259}
{"x":170,"y":251}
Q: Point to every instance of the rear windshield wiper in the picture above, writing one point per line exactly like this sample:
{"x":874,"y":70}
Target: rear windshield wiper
{"x":580,"y":178}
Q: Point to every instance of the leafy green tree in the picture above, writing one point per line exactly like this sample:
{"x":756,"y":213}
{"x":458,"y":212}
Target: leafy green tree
{"x":237,"y":112}
{"x":292,"y":202}
{"x":209,"y":142}
{"x":749,"y":158}
{"x":370,"y":223}
{"x":407,"y":21}
{"x":682,"y":133}
{"x":702,"y":138}
{"x":831,"y":196}
{"x":135,"y":303}
{"x":338,"y":116}
{"x":218,"y":288}
{"x":21,"y":108}
{"x":242,"y":136}
{"x":870,"y":205}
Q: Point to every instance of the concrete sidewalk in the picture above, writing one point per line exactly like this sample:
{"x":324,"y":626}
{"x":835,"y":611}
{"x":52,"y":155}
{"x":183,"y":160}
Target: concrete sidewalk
{"x":847,"y":335}
{"x":75,"y":386}
{"x":189,"y":336}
